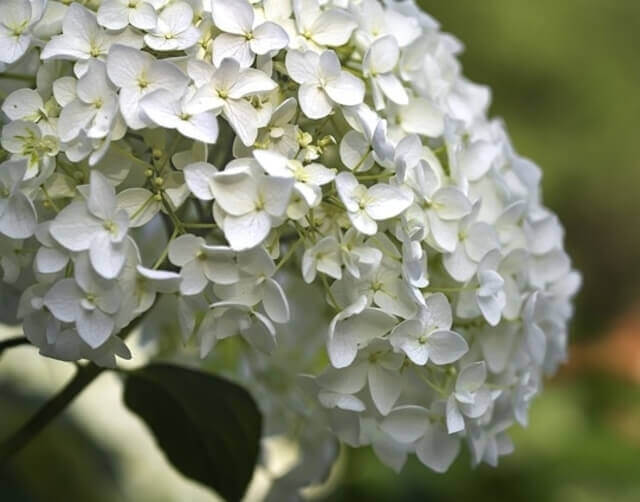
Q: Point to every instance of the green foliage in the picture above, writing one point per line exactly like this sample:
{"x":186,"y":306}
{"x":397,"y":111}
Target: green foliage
{"x":208,"y":427}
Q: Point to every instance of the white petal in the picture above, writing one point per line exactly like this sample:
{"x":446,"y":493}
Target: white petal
{"x":346,"y":90}
{"x":251,"y":82}
{"x":451,"y":203}
{"x":406,"y":424}
{"x":162,"y":281}
{"x":126,"y":64}
{"x":455,"y":420}
{"x":183,"y":249}
{"x":162,"y":108}
{"x":385,"y":387}
{"x":355,"y":152}
{"x":536,"y":343}
{"x":201,"y":127}
{"x":437,"y":312}
{"x":113,"y":14}
{"x":344,"y":381}
{"x":198,"y":177}
{"x":63,"y":300}
{"x":446,"y":347}
{"x":471,"y":377}
{"x":268,"y":37}
{"x":276,"y":193}
{"x":247,"y":231}
{"x":383,"y":54}
{"x":94,"y":327}
{"x":193,"y":278}
{"x":236,"y":193}
{"x":314,"y":102}
{"x":143,"y":16}
{"x":107,"y":257}
{"x":19,"y":218}
{"x":387,"y":201}
{"x":22,"y":104}
{"x":458,"y":264}
{"x":481,"y":238}
{"x":393,"y":88}
{"x":341,"y":401}
{"x":333,"y":28}
{"x":437,"y":450}
{"x":444,"y":233}
{"x":232,"y":16}
{"x":275,"y":302}
{"x":242,"y":117}
{"x":421,"y":117}
{"x":140,"y":205}
{"x":102,"y":196}
{"x":237,"y":47}
{"x":302,"y":67}
{"x":74,"y":227}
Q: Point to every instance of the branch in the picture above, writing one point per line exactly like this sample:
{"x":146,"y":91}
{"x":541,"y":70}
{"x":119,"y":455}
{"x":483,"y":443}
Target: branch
{"x":13,"y":342}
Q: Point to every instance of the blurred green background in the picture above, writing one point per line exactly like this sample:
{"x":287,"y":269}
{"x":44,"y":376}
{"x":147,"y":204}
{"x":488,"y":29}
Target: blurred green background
{"x":565,"y":76}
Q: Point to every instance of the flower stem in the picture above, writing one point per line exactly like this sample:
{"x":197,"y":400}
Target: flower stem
{"x":52,"y":408}
{"x":13,"y":342}
{"x":56,"y":405}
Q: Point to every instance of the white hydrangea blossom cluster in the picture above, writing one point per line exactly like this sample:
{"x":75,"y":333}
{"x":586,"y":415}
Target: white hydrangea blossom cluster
{"x":205,"y":152}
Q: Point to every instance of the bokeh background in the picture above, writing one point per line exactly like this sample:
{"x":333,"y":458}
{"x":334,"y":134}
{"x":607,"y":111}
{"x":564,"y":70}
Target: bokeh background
{"x":565,"y":77}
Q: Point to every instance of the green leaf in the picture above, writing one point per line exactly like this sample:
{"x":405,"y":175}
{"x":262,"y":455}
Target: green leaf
{"x":208,"y":427}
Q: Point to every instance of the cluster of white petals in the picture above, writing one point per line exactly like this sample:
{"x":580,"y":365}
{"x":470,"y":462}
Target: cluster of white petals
{"x":246,"y":167}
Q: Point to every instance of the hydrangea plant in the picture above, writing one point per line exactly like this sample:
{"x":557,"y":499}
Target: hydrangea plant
{"x":245,"y":167}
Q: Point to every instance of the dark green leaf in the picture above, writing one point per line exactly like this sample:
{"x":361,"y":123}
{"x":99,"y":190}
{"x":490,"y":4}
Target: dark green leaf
{"x":208,"y":427}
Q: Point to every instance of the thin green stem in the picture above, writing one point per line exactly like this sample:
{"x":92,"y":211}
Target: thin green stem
{"x":165,"y":251}
{"x":14,"y":341}
{"x":289,"y":254}
{"x":199,"y":225}
{"x":19,"y":76}
{"x":52,"y":408}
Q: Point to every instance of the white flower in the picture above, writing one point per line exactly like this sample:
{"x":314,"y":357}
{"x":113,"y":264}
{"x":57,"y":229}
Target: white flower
{"x":433,"y":445}
{"x":167,"y":110}
{"x":331,"y":27}
{"x":17,"y":18}
{"x":322,"y":82}
{"x":82,"y":38}
{"x":475,"y":240}
{"x":429,"y":337}
{"x":354,"y":327}
{"x":27,"y":105}
{"x":150,"y":282}
{"x":138,"y":74}
{"x":308,"y":178}
{"x":117,"y":14}
{"x":378,"y":64}
{"x":26,"y":141}
{"x":257,"y":285}
{"x":243,"y":36}
{"x":202,"y":263}
{"x":253,"y":203}
{"x":96,"y":225}
{"x":94,"y":109}
{"x":323,"y":257}
{"x":174,"y":29}
{"x":227,"y":89}
{"x":376,"y":366}
{"x":88,"y":301}
{"x":365,"y":206}
{"x":315,"y":176}
{"x":17,"y":213}
{"x":471,"y":397}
